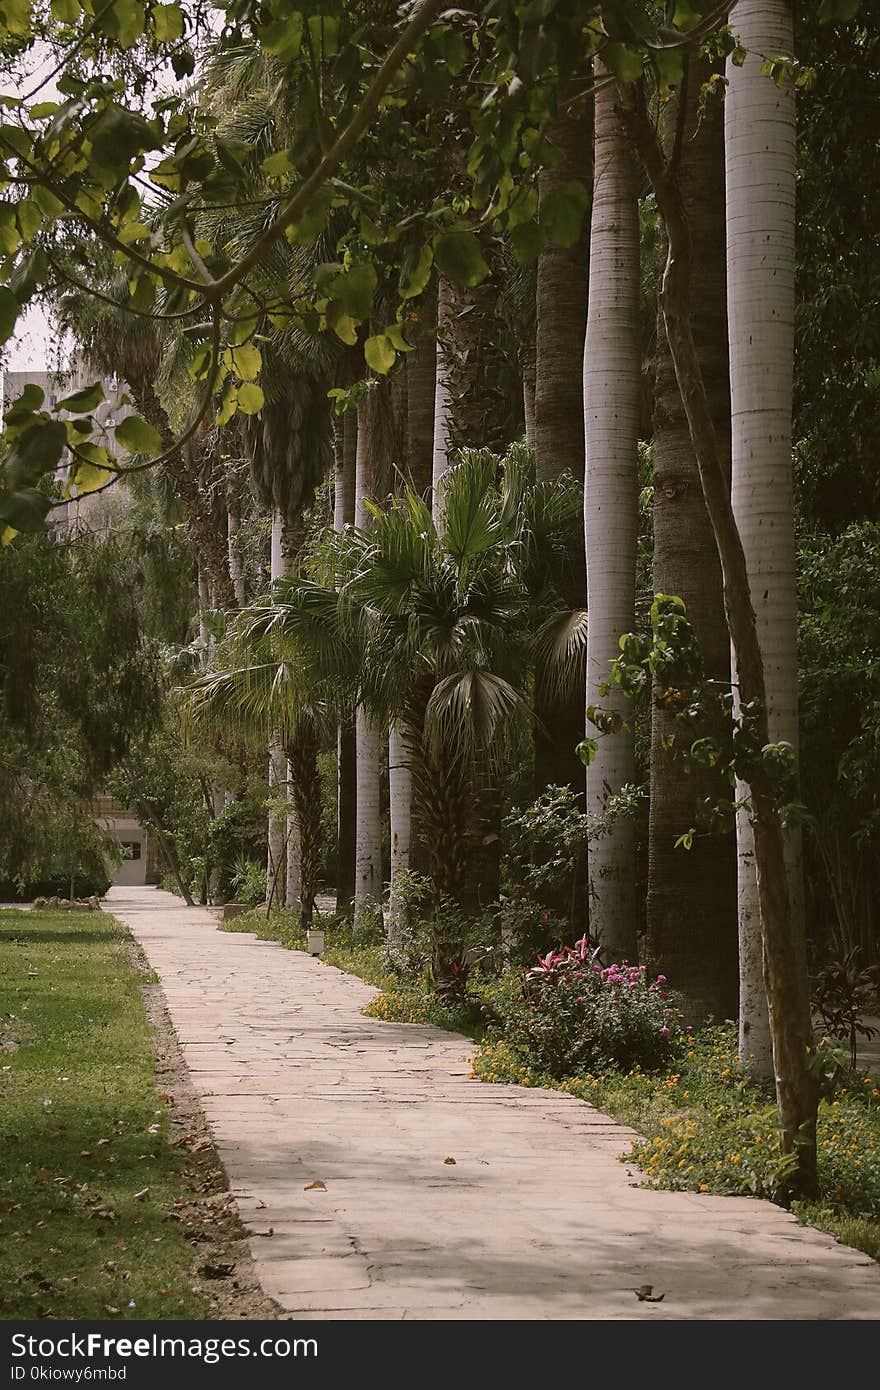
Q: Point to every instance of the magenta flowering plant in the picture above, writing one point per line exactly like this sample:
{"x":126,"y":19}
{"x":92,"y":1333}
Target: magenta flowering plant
{"x":579,"y":1015}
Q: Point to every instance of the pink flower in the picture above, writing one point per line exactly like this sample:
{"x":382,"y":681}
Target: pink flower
{"x":664,"y":1032}
{"x":661,"y":979}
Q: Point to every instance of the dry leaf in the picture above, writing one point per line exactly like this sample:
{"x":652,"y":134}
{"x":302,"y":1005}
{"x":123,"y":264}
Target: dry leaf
{"x":217,"y":1271}
{"x":108,"y":1308}
{"x":449,"y":1160}
{"x":139,"y":1196}
{"x":316,"y":1186}
{"x":645,"y":1294}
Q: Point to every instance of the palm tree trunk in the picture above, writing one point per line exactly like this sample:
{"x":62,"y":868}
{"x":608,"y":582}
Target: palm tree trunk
{"x":612,"y":399}
{"x":561,"y":320}
{"x":346,"y":772}
{"x":368,"y":852}
{"x":206,"y":539}
{"x":691,"y":903}
{"x":759,"y":129}
{"x":400,"y":800}
{"x":442,"y":428}
{"x":563,"y":276}
{"x":233,"y":526}
{"x":276,"y":839}
{"x":529,"y":407}
{"x":421,"y":379}
{"x":785,"y":975}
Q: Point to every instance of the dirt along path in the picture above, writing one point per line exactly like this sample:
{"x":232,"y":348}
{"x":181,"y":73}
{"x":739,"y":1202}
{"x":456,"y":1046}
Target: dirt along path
{"x":337,"y":1133}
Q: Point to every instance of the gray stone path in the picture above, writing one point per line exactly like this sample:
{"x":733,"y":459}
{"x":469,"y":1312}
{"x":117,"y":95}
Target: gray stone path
{"x":536,"y":1218}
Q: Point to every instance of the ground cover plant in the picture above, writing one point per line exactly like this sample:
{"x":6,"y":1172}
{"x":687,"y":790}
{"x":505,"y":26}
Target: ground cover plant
{"x":88,"y":1177}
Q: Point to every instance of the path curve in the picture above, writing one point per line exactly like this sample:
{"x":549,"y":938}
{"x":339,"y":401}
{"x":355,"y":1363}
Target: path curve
{"x":536,"y":1218}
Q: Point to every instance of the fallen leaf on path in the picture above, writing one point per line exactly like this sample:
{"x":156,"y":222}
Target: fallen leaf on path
{"x":217,"y":1271}
{"x":449,"y":1160}
{"x":645,"y":1294}
{"x":113,"y":1312}
{"x":316,"y":1186}
{"x":139,"y":1196}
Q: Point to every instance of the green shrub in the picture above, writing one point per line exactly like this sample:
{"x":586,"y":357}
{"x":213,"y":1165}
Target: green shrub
{"x":577,"y":1015}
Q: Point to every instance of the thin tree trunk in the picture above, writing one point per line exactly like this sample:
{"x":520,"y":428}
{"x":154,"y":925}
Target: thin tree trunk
{"x":691,"y":903}
{"x":400,"y":800}
{"x":785,"y":975}
{"x":368,"y":853}
{"x":759,"y":128}
{"x":441,"y":435}
{"x":561,"y":322}
{"x":563,"y":276}
{"x":233,"y":526}
{"x":529,"y":408}
{"x":346,"y":772}
{"x":612,"y":397}
{"x":421,"y":378}
{"x":276,"y":839}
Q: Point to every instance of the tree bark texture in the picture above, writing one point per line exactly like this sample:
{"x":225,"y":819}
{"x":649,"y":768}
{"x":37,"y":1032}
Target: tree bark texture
{"x":759,"y":132}
{"x":612,"y":390}
{"x":691,"y":933}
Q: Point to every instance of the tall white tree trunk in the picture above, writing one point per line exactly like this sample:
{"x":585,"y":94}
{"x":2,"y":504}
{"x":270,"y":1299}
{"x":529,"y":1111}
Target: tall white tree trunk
{"x":442,"y":394}
{"x":759,"y":134}
{"x":611,"y":419}
{"x":400,"y":799}
{"x":346,"y":811}
{"x":277,"y":832}
{"x":368,"y":848}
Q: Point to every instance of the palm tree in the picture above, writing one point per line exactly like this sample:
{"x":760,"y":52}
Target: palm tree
{"x":691,"y":914}
{"x":759,"y":135}
{"x":134,"y":348}
{"x":372,"y":481}
{"x":612,"y":391}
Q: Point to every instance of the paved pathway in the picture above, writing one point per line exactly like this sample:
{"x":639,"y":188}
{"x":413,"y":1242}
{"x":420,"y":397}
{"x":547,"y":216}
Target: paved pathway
{"x":536,"y":1218}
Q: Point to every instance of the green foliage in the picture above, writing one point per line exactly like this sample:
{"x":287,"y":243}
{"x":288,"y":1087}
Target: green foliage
{"x":88,"y":1172}
{"x":577,"y":1016}
{"x":78,"y":682}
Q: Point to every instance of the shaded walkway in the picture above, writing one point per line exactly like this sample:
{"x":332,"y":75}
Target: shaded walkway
{"x":535,"y":1219}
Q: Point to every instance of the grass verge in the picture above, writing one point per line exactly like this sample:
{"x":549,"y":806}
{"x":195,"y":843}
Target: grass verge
{"x":88,"y":1177}
{"x":708,"y":1127}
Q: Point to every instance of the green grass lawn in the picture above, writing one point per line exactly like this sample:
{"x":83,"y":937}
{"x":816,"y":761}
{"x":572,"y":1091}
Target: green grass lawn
{"x":87,"y":1175}
{"x":707,"y":1126}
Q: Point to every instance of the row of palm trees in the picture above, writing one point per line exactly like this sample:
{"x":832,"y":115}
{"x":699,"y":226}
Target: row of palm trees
{"x":435,"y":620}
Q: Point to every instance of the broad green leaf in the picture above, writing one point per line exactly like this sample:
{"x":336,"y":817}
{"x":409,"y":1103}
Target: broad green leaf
{"x":379,"y":352}
{"x":459,"y":258}
{"x":527,"y":242}
{"x":31,"y":399}
{"x":65,"y":11}
{"x":135,"y":435}
{"x":29,"y":218}
{"x":41,"y":109}
{"x":277,"y":164}
{"x":250,"y":398}
{"x":169,"y":23}
{"x":283,"y":38}
{"x":89,"y":474}
{"x":9,"y":233}
{"x":7,"y":535}
{"x":24,"y":509}
{"x":81,"y":402}
{"x":563,"y":212}
{"x":9,"y":308}
{"x":394,"y":334}
{"x":36,"y":451}
{"x":354,"y":290}
{"x":684,"y":16}
{"x":228,"y":406}
{"x":246,"y":361}
{"x":345,"y":329}
{"x":670,"y":67}
{"x":415,"y":271}
{"x":623,"y":60}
